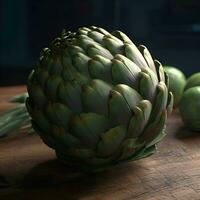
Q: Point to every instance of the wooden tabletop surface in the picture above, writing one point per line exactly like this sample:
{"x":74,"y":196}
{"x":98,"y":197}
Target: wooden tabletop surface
{"x":29,"y":169}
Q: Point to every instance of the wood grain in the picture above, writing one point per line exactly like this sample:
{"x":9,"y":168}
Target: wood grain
{"x":29,"y":170}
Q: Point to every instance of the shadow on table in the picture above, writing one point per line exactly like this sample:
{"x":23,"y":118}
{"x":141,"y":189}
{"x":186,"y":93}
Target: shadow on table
{"x":184,"y":133}
{"x":4,"y":182}
{"x":49,"y":173}
{"x":53,"y":180}
{"x":178,"y":127}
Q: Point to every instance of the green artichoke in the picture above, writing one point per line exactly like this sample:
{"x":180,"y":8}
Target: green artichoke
{"x":193,"y":81}
{"x":189,"y":108}
{"x":97,"y":99}
{"x":177,"y":82}
{"x":189,"y":105}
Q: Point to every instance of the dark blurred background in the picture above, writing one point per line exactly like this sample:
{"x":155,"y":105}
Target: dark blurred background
{"x":169,"y":28}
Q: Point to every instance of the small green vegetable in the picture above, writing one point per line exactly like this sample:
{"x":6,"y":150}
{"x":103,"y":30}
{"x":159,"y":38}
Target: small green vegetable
{"x":177,"y":82}
{"x":190,"y":108}
{"x":193,"y":80}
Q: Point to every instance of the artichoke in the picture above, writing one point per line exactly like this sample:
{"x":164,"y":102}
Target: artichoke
{"x":189,"y":105}
{"x":97,"y":99}
{"x":193,"y":80}
{"x":177,"y":82}
{"x":189,"y":108}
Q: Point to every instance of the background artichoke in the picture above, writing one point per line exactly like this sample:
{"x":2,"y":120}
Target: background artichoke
{"x":97,"y":99}
{"x":177,"y":81}
{"x":190,"y":103}
{"x":189,"y":108}
{"x":192,"y":81}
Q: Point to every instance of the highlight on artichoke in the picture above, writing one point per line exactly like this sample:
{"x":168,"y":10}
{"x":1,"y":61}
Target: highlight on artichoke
{"x":177,"y":81}
{"x":190,"y":103}
{"x":97,"y":99}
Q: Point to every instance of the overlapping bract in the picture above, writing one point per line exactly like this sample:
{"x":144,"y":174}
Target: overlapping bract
{"x":97,"y":99}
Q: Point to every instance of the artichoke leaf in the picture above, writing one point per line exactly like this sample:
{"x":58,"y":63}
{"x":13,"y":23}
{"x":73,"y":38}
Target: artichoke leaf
{"x":41,"y":120}
{"x":152,"y":131}
{"x":146,"y":87}
{"x":95,"y":97}
{"x":96,"y":36}
{"x":69,"y":94}
{"x":100,"y":68}
{"x":80,"y":153}
{"x":51,"y":86}
{"x":88,"y":127}
{"x":160,"y":136}
{"x":94,"y":50}
{"x":112,"y":45}
{"x":160,"y":71}
{"x":80,"y":62}
{"x":67,"y":60}
{"x":145,"y":52}
{"x":110,"y":141}
{"x":30,"y":80}
{"x":122,"y":37}
{"x":152,"y":75}
{"x":129,"y":147}
{"x":58,"y":114}
{"x":119,"y":110}
{"x":13,"y":112}
{"x":140,"y":118}
{"x":83,"y":30}
{"x":80,"y":79}
{"x":85,"y":42}
{"x":143,"y":153}
{"x":37,"y":95}
{"x":132,"y":52}
{"x":13,"y":124}
{"x":101,"y":30}
{"x":55,"y":66}
{"x":86,"y":28}
{"x":121,"y":74}
{"x":70,"y":141}
{"x":133,"y":68}
{"x":65,"y":138}
{"x":131,"y":95}
{"x":116,"y":39}
{"x":74,"y":49}
{"x":45,"y":59}
{"x":93,"y":28}
{"x":160,"y":100}
{"x":41,"y":76}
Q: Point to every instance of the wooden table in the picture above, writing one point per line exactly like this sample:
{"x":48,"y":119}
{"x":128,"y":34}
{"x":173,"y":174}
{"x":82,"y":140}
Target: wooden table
{"x":29,"y":170}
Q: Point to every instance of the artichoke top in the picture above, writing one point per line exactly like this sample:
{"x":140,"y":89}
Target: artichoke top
{"x":97,"y":99}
